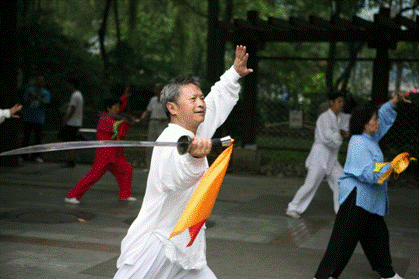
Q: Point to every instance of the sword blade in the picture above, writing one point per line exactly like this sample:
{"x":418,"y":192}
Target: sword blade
{"x":84,"y":144}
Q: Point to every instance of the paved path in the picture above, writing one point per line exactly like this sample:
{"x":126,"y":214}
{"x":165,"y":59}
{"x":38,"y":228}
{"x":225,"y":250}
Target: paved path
{"x":248,"y":234}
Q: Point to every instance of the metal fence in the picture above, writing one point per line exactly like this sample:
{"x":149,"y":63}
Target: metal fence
{"x":284,"y":148}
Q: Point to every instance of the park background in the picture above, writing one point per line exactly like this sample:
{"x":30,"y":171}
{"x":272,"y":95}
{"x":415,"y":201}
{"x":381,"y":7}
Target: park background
{"x":108,"y":44}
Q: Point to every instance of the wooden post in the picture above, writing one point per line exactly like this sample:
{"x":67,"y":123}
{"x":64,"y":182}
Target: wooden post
{"x":381,"y":74}
{"x":8,"y":79}
{"x":215,"y":44}
{"x":250,"y":93}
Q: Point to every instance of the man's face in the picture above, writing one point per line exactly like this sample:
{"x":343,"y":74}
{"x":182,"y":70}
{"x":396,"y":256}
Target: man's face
{"x":190,"y":108}
{"x":337,"y":104}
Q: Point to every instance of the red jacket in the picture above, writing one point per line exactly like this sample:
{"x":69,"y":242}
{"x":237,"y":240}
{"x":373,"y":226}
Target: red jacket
{"x":109,"y":128}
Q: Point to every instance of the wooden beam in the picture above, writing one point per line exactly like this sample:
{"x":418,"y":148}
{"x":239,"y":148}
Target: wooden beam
{"x":365,"y":24}
{"x":343,"y":23}
{"x":408,"y":23}
{"x":336,"y":59}
{"x":304,"y":25}
{"x":386,"y":22}
{"x":322,"y":23}
{"x":281,"y":24}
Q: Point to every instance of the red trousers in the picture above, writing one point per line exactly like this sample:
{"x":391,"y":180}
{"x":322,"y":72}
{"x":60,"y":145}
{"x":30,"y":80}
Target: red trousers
{"x":121,"y":169}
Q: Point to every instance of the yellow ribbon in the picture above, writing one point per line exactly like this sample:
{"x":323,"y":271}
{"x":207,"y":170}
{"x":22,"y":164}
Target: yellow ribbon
{"x":398,"y":165}
{"x":203,"y":198}
{"x":115,"y":129}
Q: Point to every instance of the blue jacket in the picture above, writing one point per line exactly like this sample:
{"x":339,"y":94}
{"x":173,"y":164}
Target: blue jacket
{"x":363,"y":153}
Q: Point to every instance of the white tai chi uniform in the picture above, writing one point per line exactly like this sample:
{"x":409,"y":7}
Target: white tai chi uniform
{"x":323,"y":160}
{"x":146,"y":251}
{"x":4,"y":113}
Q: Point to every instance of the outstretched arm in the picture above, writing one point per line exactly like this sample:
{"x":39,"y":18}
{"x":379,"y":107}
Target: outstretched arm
{"x":224,"y":94}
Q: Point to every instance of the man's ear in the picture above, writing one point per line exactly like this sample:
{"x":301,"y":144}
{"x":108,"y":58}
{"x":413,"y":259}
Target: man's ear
{"x":172,"y":108}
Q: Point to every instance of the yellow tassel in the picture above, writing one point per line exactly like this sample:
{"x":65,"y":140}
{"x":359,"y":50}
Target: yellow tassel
{"x":379,"y":166}
{"x":398,"y":165}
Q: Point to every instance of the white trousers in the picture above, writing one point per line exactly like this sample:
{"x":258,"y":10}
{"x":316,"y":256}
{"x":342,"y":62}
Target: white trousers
{"x":315,"y":175}
{"x":154,"y":264}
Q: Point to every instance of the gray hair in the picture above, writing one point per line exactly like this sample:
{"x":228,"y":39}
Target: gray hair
{"x":172,"y":90}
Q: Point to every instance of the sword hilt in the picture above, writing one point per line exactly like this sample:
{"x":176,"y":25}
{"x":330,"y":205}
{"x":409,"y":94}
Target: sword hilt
{"x":184,"y":143}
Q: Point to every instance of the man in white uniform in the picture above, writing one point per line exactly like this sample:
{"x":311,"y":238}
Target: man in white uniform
{"x":158,"y":120}
{"x":331,"y":127}
{"x":146,"y":251}
{"x":73,"y":119}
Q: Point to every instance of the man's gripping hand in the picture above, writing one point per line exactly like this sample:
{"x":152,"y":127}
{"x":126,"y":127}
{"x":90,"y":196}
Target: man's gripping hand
{"x":200,"y":147}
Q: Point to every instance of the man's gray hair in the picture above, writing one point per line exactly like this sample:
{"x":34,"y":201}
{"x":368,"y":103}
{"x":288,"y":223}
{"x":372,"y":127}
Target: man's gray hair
{"x":171,"y":91}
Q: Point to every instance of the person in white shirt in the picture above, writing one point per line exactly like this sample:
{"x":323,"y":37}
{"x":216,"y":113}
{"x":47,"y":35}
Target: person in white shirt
{"x":158,"y":120}
{"x":146,"y":250}
{"x":331,"y":127}
{"x":11,"y":112}
{"x":73,"y":119}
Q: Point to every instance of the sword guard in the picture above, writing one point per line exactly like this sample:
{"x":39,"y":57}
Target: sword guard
{"x":184,"y":143}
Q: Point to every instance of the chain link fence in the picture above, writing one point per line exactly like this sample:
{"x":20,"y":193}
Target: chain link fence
{"x":284,"y":145}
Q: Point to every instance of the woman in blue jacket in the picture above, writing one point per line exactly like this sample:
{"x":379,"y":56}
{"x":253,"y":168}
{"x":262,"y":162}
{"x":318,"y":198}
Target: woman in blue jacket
{"x":363,"y":202}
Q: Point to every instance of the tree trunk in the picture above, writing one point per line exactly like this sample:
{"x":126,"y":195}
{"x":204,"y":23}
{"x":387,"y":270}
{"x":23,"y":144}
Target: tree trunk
{"x":132,"y":20}
{"x":215,"y":43}
{"x":8,"y":78}
{"x":330,"y":67}
{"x":102,"y":34}
{"x":398,"y":77}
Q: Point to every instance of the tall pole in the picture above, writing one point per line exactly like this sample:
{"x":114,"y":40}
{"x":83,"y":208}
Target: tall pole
{"x":250,"y":114}
{"x":8,"y":78}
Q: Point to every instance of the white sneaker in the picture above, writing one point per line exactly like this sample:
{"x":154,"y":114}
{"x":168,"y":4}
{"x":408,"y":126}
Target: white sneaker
{"x":292,"y":214}
{"x":39,"y":160}
{"x":394,"y":277}
{"x":72,"y":200}
{"x":129,"y":199}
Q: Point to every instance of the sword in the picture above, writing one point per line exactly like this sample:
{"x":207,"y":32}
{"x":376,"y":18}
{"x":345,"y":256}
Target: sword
{"x":182,"y":145}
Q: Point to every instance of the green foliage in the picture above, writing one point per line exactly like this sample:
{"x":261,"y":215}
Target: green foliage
{"x":169,"y":39}
{"x":44,"y":49}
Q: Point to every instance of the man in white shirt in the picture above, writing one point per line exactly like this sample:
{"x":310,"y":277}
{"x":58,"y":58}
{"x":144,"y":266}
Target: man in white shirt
{"x":158,"y":120}
{"x":331,"y":127}
{"x":146,"y":251}
{"x":73,"y":119}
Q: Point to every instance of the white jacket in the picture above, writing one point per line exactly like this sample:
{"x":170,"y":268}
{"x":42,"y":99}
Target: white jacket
{"x":4,"y":113}
{"x":327,"y":140}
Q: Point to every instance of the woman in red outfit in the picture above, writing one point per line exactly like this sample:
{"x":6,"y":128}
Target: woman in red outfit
{"x":108,"y":158}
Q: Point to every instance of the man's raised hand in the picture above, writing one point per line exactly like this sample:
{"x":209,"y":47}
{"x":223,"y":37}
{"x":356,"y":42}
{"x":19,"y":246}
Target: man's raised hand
{"x":240,"y":62}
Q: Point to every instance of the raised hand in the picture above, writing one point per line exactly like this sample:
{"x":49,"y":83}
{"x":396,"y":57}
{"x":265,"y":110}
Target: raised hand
{"x":403,"y":97}
{"x":240,"y":62}
{"x":15,"y":109}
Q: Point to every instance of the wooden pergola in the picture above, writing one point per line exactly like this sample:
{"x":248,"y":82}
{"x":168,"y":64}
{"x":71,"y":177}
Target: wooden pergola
{"x":382,"y":34}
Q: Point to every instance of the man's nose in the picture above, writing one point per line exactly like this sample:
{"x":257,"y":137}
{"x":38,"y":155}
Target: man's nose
{"x":201,"y":102}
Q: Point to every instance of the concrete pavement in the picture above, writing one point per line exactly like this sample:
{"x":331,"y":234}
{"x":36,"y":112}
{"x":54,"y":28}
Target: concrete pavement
{"x":248,"y":236}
